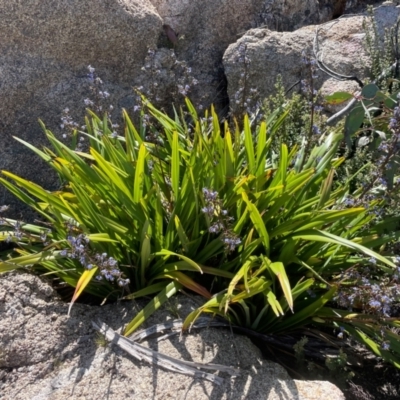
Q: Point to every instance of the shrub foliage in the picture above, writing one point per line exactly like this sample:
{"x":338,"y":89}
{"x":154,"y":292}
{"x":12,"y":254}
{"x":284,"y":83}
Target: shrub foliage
{"x":263,"y":232}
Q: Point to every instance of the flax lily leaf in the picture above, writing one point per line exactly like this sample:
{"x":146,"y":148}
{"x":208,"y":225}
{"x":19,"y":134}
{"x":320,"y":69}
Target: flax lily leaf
{"x":100,"y":237}
{"x":40,"y":153}
{"x":145,"y":252}
{"x":371,"y":344}
{"x":139,"y":175}
{"x":166,"y":252}
{"x":191,"y":109}
{"x":240,"y":275}
{"x":326,"y":189}
{"x":29,"y":227}
{"x":323,"y":236}
{"x":182,"y":266}
{"x":258,"y":223}
{"x":175,"y":166}
{"x":248,"y":142}
{"x":115,"y":174}
{"x":7,"y":266}
{"x":28,"y":260}
{"x":274,"y":303}
{"x":255,"y":286}
{"x":279,"y":270}
{"x":261,"y":149}
{"x":307,"y":221}
{"x":299,"y":317}
{"x":229,"y":155}
{"x":216,"y":272}
{"x":283,"y":166}
{"x":84,"y":280}
{"x":21,"y":195}
{"x":212,"y":306}
{"x":170,"y":290}
{"x":186,"y":281}
{"x":131,"y":136}
{"x":182,"y":234}
{"x":147,"y":291}
{"x":35,"y":190}
{"x":256,"y":324}
{"x":298,"y":290}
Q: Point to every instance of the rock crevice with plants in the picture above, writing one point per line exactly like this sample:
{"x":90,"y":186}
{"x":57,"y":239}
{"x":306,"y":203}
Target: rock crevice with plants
{"x":285,"y":223}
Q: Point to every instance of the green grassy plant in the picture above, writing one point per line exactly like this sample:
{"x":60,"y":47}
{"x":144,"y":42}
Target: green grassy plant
{"x":261,"y":231}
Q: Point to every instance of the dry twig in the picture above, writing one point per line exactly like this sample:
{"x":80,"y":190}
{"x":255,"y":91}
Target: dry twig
{"x":153,"y":357}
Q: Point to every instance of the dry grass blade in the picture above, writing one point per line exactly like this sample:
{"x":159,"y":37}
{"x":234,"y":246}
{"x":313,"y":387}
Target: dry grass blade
{"x":169,"y":363}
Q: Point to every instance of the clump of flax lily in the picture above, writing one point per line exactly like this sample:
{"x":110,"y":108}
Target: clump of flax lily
{"x":223,"y":212}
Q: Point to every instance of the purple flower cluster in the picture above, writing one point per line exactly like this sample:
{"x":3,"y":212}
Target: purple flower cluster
{"x":179,"y":72}
{"x":307,"y":85}
{"x":394,"y":122}
{"x":16,"y":232}
{"x":368,"y":294}
{"x":212,"y":202}
{"x":99,"y":104}
{"x":246,"y":99}
{"x":382,"y":181}
{"x":16,"y":227}
{"x":220,"y":221}
{"x":108,"y":266}
{"x":3,"y":221}
{"x":67,"y":122}
{"x":312,"y":106}
{"x":69,"y":126}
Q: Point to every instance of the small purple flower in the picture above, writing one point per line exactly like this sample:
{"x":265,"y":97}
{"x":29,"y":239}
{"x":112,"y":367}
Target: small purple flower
{"x":316,"y":130}
{"x":385,"y":346}
{"x":374,"y":303}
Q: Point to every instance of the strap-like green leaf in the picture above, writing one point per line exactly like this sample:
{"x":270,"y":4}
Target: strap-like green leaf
{"x":301,"y":316}
{"x":166,"y":252}
{"x":249,"y":146}
{"x":279,"y":270}
{"x":157,"y":301}
{"x":323,"y":236}
{"x":175,"y":166}
{"x":139,"y":175}
{"x":274,"y":303}
{"x":84,"y":280}
{"x":258,"y":223}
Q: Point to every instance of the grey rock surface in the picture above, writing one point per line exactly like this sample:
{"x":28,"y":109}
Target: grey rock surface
{"x":269,"y":53}
{"x":289,"y":15}
{"x":45,"y":48}
{"x":206,"y":28}
{"x":47,"y":355}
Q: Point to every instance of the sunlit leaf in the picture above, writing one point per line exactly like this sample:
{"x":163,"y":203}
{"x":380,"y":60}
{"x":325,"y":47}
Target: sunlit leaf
{"x":84,"y":280}
{"x":338,"y":98}
{"x":151,"y":307}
